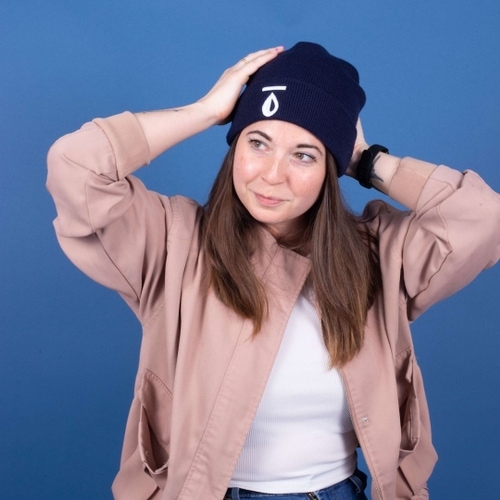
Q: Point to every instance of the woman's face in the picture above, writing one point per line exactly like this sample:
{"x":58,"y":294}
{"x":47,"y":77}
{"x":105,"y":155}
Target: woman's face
{"x":278,"y":172}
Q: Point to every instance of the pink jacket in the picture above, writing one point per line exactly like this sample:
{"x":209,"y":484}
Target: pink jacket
{"x":200,"y":375}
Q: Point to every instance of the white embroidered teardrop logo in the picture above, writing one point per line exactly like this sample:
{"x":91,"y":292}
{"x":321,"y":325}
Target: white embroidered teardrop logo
{"x":271,"y":104}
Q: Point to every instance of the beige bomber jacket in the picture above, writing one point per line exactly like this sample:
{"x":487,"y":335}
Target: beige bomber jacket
{"x":201,"y":375}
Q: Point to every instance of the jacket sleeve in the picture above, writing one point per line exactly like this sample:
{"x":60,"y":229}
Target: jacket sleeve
{"x":450,"y":235}
{"x":107,"y":222}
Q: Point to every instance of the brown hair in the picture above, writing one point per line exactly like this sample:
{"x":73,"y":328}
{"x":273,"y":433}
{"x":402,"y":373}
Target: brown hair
{"x":344,"y":269}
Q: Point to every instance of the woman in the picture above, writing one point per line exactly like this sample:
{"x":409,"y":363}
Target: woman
{"x":276,"y":333}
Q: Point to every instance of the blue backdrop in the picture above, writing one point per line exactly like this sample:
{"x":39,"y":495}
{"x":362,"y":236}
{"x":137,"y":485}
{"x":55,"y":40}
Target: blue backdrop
{"x":69,"y":348}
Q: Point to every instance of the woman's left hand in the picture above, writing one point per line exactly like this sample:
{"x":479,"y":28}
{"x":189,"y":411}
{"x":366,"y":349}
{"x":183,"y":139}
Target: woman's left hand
{"x":359,"y":146}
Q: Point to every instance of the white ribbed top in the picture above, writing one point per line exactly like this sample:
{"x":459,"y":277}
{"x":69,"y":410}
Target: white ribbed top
{"x":302,"y":438}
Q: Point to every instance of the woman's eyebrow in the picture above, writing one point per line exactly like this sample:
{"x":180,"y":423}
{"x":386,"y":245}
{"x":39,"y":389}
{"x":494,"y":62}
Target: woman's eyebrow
{"x":263,"y":134}
{"x":310,"y":146}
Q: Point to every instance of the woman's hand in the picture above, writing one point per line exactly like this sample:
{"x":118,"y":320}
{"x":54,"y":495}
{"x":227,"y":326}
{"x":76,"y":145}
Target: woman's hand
{"x":165,"y":128}
{"x":360,"y":145}
{"x":221,"y":99}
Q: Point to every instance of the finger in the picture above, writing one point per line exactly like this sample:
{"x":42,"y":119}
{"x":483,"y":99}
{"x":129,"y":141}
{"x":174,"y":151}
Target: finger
{"x":257,"y":59}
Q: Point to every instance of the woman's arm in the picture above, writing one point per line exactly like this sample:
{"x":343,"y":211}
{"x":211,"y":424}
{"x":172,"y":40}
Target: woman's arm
{"x":108,"y":223}
{"x":446,"y":239}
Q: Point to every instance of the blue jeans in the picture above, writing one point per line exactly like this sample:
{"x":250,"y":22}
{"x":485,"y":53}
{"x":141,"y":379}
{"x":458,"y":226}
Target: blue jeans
{"x":352,"y":488}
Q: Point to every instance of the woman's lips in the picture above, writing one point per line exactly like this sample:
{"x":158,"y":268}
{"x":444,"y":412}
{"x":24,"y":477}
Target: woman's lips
{"x":268,"y":201}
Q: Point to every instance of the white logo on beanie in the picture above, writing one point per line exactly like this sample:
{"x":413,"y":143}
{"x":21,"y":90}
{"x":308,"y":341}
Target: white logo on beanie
{"x":271,"y":104}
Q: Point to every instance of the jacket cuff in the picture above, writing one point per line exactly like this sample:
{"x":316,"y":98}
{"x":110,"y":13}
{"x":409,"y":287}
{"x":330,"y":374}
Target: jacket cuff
{"x":409,"y":180}
{"x":127,"y":140}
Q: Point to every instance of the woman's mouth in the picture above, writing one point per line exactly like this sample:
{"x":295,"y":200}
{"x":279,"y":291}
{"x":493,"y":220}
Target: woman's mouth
{"x":268,"y":201}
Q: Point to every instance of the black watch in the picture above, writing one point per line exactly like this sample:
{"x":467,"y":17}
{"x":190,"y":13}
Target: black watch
{"x":365,"y":165}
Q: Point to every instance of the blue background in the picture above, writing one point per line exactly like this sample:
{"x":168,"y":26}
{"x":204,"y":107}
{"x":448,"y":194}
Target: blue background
{"x":69,"y":348}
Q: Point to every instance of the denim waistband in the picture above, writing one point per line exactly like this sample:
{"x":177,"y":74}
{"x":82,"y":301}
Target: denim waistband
{"x":352,"y":487}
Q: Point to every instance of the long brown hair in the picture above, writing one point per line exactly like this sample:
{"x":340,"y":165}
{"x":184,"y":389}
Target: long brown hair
{"x":344,"y":270}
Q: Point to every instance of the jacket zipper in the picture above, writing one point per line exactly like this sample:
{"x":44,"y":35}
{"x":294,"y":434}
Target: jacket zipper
{"x":358,"y":434}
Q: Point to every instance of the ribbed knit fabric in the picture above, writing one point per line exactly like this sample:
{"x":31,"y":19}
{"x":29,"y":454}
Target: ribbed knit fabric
{"x":311,"y":88}
{"x":302,"y":437}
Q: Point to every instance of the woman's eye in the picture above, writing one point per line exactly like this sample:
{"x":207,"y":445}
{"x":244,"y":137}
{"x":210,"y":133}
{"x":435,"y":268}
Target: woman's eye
{"x":305,"y":157}
{"x":255,"y":143}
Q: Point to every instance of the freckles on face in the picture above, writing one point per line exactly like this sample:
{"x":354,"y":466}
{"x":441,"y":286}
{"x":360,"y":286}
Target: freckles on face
{"x":278,"y":172}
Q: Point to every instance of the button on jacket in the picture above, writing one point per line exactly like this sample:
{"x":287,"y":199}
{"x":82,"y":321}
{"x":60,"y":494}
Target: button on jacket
{"x":201,"y":373}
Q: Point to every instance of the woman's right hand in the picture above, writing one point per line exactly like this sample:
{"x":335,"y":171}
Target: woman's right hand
{"x":222,"y":97}
{"x":165,"y":128}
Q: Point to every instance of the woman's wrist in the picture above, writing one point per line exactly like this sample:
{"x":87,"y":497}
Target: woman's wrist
{"x":378,"y":166}
{"x":384,"y":168}
{"x":167,"y":127}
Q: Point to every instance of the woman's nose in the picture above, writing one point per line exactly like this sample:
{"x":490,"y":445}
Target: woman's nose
{"x":274,"y":172}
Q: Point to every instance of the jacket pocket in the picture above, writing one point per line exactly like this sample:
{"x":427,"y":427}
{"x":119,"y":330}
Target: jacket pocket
{"x":409,"y":410}
{"x":154,"y":426}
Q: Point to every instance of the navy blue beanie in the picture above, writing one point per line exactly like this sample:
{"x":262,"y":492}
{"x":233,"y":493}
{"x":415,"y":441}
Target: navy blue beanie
{"x":309,"y":87}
